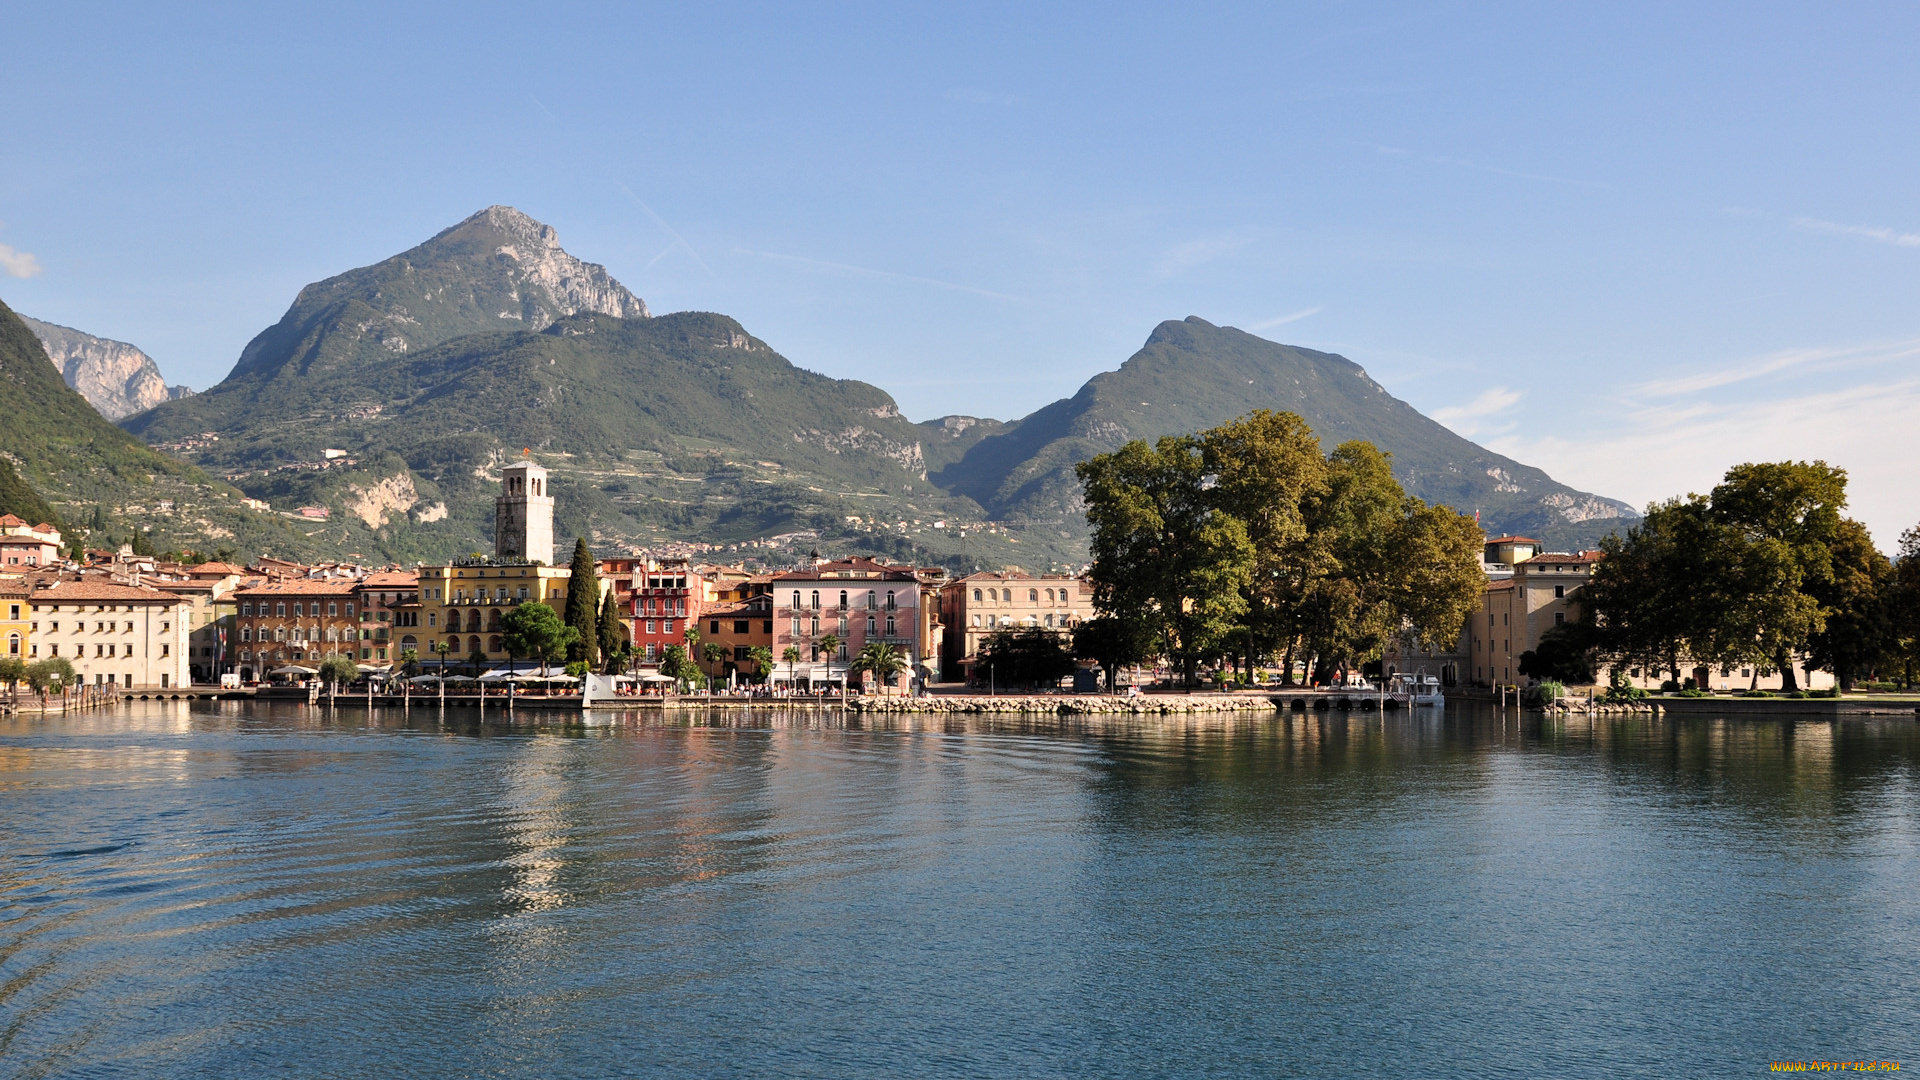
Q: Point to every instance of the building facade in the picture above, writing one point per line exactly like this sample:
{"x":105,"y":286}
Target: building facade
{"x":738,"y":627}
{"x":462,"y":604}
{"x":389,"y":611}
{"x":856,"y":602}
{"x":16,"y":629}
{"x":975,"y":607}
{"x":666,"y":599}
{"x":25,"y":546}
{"x":128,"y":636}
{"x":295,"y":621}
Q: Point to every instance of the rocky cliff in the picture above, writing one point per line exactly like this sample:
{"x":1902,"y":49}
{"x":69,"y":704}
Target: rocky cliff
{"x":115,"y":377}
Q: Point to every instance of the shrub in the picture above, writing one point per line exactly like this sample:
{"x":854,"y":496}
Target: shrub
{"x":1670,"y":687}
{"x":1694,"y":692}
{"x":1797,"y":694}
{"x":1756,"y":693}
{"x":1620,"y":690}
{"x":1828,"y":693}
{"x":1544,"y":693}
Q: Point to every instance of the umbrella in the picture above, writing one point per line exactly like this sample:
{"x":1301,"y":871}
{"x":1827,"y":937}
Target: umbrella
{"x":295,"y":669}
{"x":424,"y":679}
{"x":656,"y":678}
{"x":556,"y":678}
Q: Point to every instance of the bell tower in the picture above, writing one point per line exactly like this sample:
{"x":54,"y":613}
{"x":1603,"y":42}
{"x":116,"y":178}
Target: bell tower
{"x":523,"y":514}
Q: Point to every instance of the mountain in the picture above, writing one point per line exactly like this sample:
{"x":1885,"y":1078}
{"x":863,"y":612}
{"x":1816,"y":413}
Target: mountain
{"x":498,"y":269}
{"x":1192,"y":375}
{"x":86,"y":470}
{"x":116,"y":378}
{"x":390,"y":396}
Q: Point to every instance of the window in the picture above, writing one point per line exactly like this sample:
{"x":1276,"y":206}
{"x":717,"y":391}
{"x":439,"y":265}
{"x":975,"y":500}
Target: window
{"x":796,"y":598}
{"x":280,"y":610}
{"x":740,"y":626}
{"x":890,"y":604}
{"x":1559,"y":617}
{"x":843,"y":599}
{"x":796,"y":626}
{"x":813,"y":626}
{"x":1049,"y":620}
{"x":890,"y":632}
{"x":873,"y":598}
{"x":713,"y":626}
{"x":768,"y":628}
{"x":246,"y":633}
{"x":650,"y":626}
{"x":246,"y":608}
{"x":842,"y":631}
{"x":740,"y":653}
{"x":333,"y":608}
{"x":13,"y":644}
{"x":976,"y":622}
{"x":1033,"y":596}
{"x":666,"y":626}
{"x":1050,"y":595}
{"x":165,"y":649}
{"x":816,"y":600}
{"x":650,"y":651}
{"x":976,"y":599}
{"x":1559,"y":591}
{"x":433,"y":618}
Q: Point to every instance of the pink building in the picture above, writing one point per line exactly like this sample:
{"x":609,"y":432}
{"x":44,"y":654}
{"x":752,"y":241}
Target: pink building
{"x":856,"y":601}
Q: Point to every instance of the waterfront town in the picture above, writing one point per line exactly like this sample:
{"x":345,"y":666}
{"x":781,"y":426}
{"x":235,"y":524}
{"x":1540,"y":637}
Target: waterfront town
{"x":132,"y":623}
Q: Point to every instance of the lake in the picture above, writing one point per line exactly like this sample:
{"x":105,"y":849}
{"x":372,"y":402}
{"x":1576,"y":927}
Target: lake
{"x":237,"y":889}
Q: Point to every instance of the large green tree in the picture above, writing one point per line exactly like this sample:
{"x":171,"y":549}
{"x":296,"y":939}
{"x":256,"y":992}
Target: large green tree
{"x":614,"y":640}
{"x":534,"y":629}
{"x":1027,"y":656}
{"x":1165,"y":559}
{"x":1113,"y":643}
{"x":583,"y":602}
{"x":1859,"y":631}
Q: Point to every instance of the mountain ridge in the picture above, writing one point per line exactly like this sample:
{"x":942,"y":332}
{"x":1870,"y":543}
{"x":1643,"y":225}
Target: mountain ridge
{"x":116,"y":378}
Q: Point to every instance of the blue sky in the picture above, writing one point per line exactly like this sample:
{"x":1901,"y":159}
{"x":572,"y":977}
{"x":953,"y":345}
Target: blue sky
{"x":1632,"y":244}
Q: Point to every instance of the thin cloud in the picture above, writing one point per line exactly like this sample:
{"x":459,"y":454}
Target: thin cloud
{"x":1821,"y":359}
{"x":1657,"y":453}
{"x":679,"y":241}
{"x":1865,"y":232}
{"x":863,"y":271}
{"x":20,"y":264}
{"x":1471,"y":419}
{"x":1285,"y":319}
{"x":1183,"y":257}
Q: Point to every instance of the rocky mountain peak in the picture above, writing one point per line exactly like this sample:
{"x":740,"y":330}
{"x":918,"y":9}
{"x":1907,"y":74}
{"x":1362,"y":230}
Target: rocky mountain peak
{"x":116,"y":378}
{"x":531,"y":253}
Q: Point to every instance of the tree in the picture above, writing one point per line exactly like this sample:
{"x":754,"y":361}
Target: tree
{"x":1110,"y":642}
{"x":762,"y":658}
{"x":1565,"y":655}
{"x":614,"y":638}
{"x":1903,"y":606}
{"x":335,"y":670}
{"x":1859,"y":630}
{"x":583,"y":600}
{"x":12,"y":671}
{"x":883,"y":660}
{"x":675,"y":662}
{"x":715,"y":655}
{"x":409,"y":659}
{"x":51,"y":675}
{"x":533,"y":629}
{"x":1165,"y":561}
{"x":828,"y":645}
{"x":1027,"y":656}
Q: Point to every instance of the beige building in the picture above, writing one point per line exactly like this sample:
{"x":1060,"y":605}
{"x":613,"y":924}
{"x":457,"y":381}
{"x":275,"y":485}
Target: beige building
{"x":128,"y":636}
{"x":975,"y":607}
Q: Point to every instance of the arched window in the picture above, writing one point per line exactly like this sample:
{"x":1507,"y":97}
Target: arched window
{"x":473,"y":645}
{"x":816,"y":600}
{"x":796,"y":598}
{"x":493,"y":644}
{"x":13,"y":644}
{"x":890,"y":627}
{"x":1033,"y":596}
{"x":873,"y":598}
{"x":409,"y":642}
{"x":976,"y":596}
{"x":1006,"y":595}
{"x":890,"y":604}
{"x":1049,"y":596}
{"x":843,"y":599}
{"x":1049,"y":620}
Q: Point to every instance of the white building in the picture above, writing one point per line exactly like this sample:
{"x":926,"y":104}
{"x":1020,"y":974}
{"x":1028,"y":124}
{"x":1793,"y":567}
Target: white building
{"x":114,"y":635}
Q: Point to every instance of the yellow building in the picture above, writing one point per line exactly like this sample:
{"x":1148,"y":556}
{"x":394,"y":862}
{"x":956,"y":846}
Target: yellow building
{"x":462,"y":605}
{"x":16,"y":635}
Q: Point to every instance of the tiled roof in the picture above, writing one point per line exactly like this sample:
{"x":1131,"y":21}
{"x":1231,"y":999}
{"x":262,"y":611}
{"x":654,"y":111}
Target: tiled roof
{"x":8,"y":521}
{"x":391,"y":579}
{"x":1513,"y":540}
{"x":88,"y":592}
{"x":299,"y":587}
{"x":220,"y":568}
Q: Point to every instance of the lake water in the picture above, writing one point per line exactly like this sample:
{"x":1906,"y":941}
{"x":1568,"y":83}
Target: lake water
{"x":229,"y":889}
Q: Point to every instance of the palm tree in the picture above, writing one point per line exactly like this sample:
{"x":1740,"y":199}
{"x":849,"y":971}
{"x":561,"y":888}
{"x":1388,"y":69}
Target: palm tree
{"x":409,"y":660}
{"x":716,"y":655}
{"x":334,"y":670}
{"x":883,"y":660}
{"x":762,"y":658}
{"x":791,"y":655}
{"x":828,"y":644}
{"x":443,"y":648}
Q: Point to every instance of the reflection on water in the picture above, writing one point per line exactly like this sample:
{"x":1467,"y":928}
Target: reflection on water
{"x":225,"y":888}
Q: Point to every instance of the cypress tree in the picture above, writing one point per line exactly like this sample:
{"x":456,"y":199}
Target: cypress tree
{"x":613,"y":633}
{"x":583,"y":598}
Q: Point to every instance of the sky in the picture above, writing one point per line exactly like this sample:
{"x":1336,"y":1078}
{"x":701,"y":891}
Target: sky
{"x":1632,"y":244}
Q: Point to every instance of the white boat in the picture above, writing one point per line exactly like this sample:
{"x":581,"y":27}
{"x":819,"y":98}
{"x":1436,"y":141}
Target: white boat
{"x":1416,"y":688}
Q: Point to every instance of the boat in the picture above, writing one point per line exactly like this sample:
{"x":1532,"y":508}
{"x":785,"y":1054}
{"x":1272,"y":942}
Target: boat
{"x":1416,"y":688}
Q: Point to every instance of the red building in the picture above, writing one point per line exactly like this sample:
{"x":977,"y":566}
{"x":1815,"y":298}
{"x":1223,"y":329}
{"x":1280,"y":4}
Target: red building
{"x":667,"y":598}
